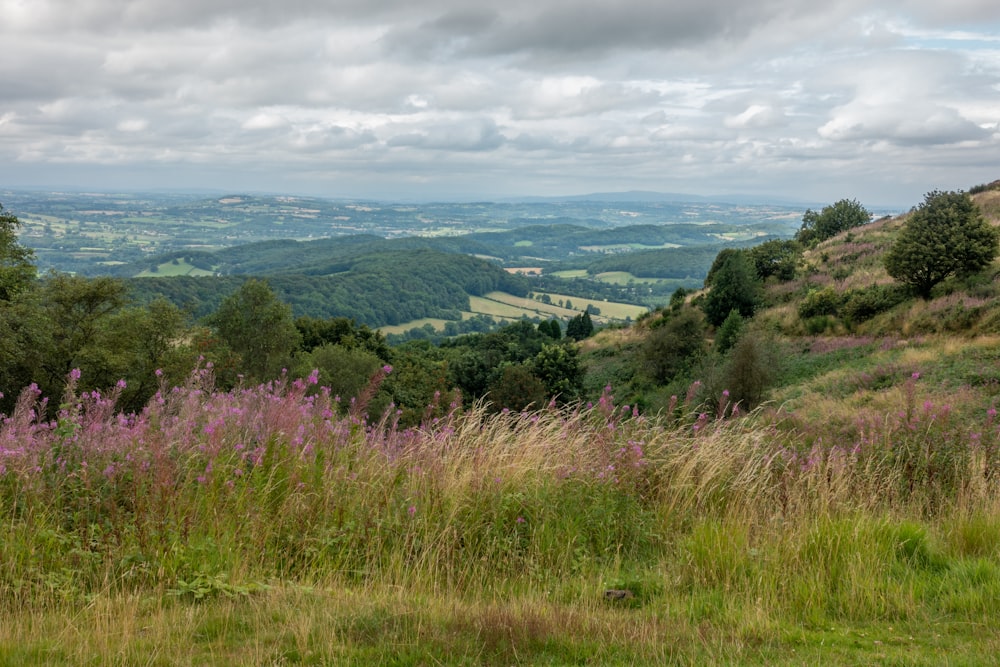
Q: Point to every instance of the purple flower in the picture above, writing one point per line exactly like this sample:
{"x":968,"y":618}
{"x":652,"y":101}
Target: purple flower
{"x":412,"y":510}
{"x":74,"y":374}
{"x":387,"y":369}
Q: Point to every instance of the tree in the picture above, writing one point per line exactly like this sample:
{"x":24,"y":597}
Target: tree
{"x":580,"y":327}
{"x":946,"y":235}
{"x":551,"y":329}
{"x":845,"y":214}
{"x":558,"y":367}
{"x":729,"y":331}
{"x":16,"y":268}
{"x":735,"y":286}
{"x":517,"y":388}
{"x":345,"y":370}
{"x":775,"y":258}
{"x":258,"y":327}
{"x":672,"y":349}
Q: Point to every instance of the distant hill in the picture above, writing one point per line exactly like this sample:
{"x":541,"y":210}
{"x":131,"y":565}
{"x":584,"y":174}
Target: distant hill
{"x":374,"y":287}
{"x":647,"y":196}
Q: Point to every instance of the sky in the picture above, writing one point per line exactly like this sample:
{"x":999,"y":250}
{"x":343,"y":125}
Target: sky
{"x":481,"y":99}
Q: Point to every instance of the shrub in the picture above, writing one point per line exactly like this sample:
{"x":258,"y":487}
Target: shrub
{"x":825,"y":301}
{"x":864,"y":304}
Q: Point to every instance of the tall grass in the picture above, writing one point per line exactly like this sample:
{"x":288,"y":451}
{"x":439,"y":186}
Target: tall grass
{"x":750,"y":523}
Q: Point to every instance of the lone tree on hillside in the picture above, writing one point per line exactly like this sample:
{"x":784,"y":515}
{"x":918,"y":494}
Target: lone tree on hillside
{"x":845,"y":214}
{"x":734,"y":285}
{"x":946,"y":235}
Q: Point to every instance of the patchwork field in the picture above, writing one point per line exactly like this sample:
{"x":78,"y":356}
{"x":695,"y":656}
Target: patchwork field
{"x":178,"y":268}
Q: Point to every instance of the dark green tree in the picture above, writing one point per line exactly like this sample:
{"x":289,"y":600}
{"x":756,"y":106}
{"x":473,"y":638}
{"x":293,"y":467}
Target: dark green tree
{"x":76,"y":311}
{"x":580,"y":327}
{"x":517,"y":388}
{"x":259,"y":327}
{"x":17,"y":270}
{"x":551,"y":329}
{"x":946,"y":235}
{"x":729,"y":331}
{"x":342,"y":331}
{"x":558,"y":367}
{"x":725,"y":255}
{"x":735,"y":286}
{"x":672,"y":349}
{"x":845,"y":214}
{"x":775,"y":258}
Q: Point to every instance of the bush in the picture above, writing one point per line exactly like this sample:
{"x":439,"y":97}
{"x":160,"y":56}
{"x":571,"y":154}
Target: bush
{"x":864,"y":304}
{"x":826,"y":301}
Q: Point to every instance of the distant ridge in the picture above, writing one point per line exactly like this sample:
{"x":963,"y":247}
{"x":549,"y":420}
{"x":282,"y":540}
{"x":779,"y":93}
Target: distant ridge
{"x":648,"y":196}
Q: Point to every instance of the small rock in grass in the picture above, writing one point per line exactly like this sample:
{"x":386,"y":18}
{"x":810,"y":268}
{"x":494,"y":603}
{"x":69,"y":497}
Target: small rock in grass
{"x":618,"y":594}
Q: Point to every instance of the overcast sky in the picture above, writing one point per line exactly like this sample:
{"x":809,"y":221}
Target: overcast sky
{"x":448,"y":99}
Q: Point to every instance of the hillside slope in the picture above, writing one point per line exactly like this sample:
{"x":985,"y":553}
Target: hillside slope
{"x":838,"y":343}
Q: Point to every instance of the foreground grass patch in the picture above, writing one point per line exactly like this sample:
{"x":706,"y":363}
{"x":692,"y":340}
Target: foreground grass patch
{"x":271,"y":525}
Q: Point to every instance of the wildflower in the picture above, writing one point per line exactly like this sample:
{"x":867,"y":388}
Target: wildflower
{"x":387,"y":369}
{"x":120,"y":384}
{"x":412,"y":510}
{"x":74,"y":374}
{"x":519,"y":519}
{"x":159,"y":372}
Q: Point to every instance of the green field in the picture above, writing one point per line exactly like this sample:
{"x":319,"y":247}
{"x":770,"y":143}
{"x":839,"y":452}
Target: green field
{"x":624,"y":278}
{"x":435,"y":322}
{"x":626,"y":247}
{"x":181,"y":268}
{"x":507,"y":307}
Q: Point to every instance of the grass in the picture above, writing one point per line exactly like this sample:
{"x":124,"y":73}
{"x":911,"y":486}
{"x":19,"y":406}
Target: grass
{"x":272,"y":525}
{"x":609,"y":310}
{"x":179,"y":268}
{"x":435,"y":322}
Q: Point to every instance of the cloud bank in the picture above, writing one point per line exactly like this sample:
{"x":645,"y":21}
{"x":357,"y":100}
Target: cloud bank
{"x":467,"y":98}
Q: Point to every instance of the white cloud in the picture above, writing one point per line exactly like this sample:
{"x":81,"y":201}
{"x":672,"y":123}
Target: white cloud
{"x":821,"y":100}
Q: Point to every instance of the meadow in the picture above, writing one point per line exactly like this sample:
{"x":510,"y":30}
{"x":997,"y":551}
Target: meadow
{"x":275,"y":524}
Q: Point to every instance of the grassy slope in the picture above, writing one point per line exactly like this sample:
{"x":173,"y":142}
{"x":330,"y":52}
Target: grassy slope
{"x":805,"y":533}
